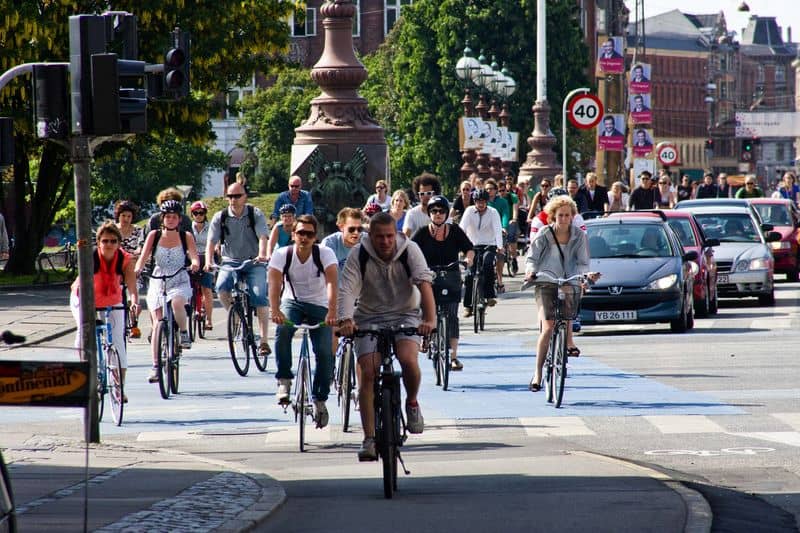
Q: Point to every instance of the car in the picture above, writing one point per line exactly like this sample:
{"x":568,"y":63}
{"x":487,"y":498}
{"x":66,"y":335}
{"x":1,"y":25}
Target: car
{"x":647,"y":277}
{"x":745,"y":266}
{"x":784,"y":216}
{"x":734,"y":202}
{"x":692,"y":238}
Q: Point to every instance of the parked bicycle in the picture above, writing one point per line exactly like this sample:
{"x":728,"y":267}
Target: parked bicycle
{"x":345,"y":379}
{"x":168,"y":343}
{"x":447,"y":289}
{"x":242,"y":341}
{"x":109,"y":368}
{"x":302,"y":405}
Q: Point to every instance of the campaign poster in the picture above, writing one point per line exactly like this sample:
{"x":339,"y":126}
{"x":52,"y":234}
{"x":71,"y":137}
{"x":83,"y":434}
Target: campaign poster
{"x":469,"y":133}
{"x":640,"y":109}
{"x":642,"y":142}
{"x":610,"y":59}
{"x":513,"y":144}
{"x":489,"y":136}
{"x":502,"y":143}
{"x":611,"y":133}
{"x":640,"y":79}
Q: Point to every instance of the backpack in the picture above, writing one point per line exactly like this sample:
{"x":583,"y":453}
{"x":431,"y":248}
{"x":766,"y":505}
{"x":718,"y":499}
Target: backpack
{"x":182,"y":235}
{"x":315,"y":255}
{"x":251,"y":217}
{"x":363,"y":257}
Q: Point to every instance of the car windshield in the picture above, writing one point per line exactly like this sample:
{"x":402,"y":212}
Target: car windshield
{"x":628,"y":240}
{"x":683,"y":229}
{"x":729,"y":227}
{"x":775,"y":214}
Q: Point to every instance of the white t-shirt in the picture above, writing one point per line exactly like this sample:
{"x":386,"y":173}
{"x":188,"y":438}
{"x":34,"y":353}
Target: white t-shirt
{"x":308,"y":287}
{"x":416,"y":218}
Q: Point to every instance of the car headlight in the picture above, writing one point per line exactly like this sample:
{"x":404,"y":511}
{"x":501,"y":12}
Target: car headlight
{"x":761,"y":263}
{"x":780,"y":245}
{"x":663,"y":283}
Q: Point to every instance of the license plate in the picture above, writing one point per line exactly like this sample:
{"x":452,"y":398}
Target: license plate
{"x":722,"y":278}
{"x":614,"y":316}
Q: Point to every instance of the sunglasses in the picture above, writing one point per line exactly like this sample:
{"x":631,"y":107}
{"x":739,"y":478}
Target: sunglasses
{"x":109,"y":241}
{"x":437,"y":211}
{"x":426,"y":193}
{"x":195,"y":213}
{"x":749,"y":183}
{"x":294,"y":186}
{"x":308,"y":234}
{"x":545,"y":185}
{"x":663,"y":183}
{"x":466,"y":190}
{"x":355,"y":229}
{"x":234,"y":196}
{"x":490,"y":189}
{"x":380,"y":188}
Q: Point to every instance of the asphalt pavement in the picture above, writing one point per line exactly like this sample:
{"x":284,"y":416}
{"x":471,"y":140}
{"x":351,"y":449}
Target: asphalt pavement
{"x":61,"y":483}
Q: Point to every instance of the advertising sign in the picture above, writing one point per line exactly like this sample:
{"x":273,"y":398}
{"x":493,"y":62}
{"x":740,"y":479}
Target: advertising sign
{"x":611,"y":133}
{"x":40,"y":383}
{"x":767,"y":125}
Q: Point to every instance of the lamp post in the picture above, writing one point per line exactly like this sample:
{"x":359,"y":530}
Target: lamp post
{"x":506,"y":90}
{"x":466,"y":69}
{"x":483,"y":73}
{"x":492,"y":84}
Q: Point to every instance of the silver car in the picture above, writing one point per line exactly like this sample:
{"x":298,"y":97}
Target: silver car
{"x":745,"y":266}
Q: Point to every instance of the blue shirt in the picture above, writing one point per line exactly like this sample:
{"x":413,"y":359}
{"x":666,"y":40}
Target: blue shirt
{"x":335,"y":242}
{"x":303,"y":205}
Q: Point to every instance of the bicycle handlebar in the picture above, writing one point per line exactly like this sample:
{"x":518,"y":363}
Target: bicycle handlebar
{"x":550,"y":279}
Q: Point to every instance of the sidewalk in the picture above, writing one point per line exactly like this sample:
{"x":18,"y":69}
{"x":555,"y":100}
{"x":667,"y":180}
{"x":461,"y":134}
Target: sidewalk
{"x":147,"y":489}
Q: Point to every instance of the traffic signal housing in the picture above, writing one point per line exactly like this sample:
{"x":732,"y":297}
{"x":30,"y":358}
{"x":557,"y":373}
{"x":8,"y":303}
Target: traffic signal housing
{"x":176,"y":66}
{"x":6,"y":142}
{"x":747,"y":150}
{"x":50,"y":101}
{"x":119,"y":97}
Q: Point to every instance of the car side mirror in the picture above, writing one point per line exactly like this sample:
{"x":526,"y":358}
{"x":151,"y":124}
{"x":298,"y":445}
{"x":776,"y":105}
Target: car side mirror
{"x":773,"y":236}
{"x":767,"y":227}
{"x":712,"y":242}
{"x":691,"y":255}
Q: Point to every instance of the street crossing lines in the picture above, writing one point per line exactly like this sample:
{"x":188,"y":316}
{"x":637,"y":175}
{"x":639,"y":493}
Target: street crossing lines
{"x":564,"y":426}
{"x":675,"y":424}
{"x":791,"y":419}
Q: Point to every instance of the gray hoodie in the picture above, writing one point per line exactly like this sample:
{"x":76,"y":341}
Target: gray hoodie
{"x":386,"y":294}
{"x":543,"y":255}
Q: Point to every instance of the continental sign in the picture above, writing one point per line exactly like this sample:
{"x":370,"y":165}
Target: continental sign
{"x":38,"y":383}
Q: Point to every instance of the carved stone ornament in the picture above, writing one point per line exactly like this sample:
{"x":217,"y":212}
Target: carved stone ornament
{"x":334,"y":185}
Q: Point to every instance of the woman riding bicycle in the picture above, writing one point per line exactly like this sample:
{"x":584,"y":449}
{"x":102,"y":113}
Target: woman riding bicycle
{"x":562,"y":250}
{"x":441,"y":243}
{"x":112,"y":267}
{"x":200,"y":227}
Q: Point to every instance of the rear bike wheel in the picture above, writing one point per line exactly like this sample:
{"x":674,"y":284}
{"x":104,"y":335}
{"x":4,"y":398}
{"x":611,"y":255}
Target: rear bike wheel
{"x":347,"y":383}
{"x":301,"y":400}
{"x":175,"y":360}
{"x":258,"y":359}
{"x":101,"y":383}
{"x":389,"y":446}
{"x":559,"y":364}
{"x":435,"y":351}
{"x":162,"y":347}
{"x":114,"y":380}
{"x":444,"y":351}
{"x":237,"y":340}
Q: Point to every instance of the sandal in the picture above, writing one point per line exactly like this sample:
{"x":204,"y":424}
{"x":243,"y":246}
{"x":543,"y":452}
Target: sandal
{"x":456,"y":365}
{"x":534,"y":386}
{"x":209,"y":326}
{"x":264,"y":349}
{"x":573,"y":352}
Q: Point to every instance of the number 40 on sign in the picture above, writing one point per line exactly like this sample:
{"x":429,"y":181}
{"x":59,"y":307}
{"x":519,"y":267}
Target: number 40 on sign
{"x":585,"y":111}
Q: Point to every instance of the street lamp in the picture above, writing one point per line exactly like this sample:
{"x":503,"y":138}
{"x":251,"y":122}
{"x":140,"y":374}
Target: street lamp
{"x":467,"y":69}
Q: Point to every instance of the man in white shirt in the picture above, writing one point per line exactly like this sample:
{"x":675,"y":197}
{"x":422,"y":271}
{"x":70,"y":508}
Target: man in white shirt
{"x":426,"y":186}
{"x":309,"y":286}
{"x":484,"y":228}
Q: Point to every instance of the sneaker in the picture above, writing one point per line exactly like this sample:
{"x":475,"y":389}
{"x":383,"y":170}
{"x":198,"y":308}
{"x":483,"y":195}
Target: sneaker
{"x":414,"y":421}
{"x":264,"y":349}
{"x":576,"y":325}
{"x":186,"y":342}
{"x":284,"y":386}
{"x":456,"y":365}
{"x":367,"y":452}
{"x":491,"y":302}
{"x":467,"y":312}
{"x":153,"y":377}
{"x":320,"y":413}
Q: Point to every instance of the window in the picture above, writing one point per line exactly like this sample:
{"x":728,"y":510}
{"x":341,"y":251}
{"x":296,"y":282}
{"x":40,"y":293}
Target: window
{"x":760,"y":74}
{"x":304,"y":28}
{"x":357,"y":19}
{"x":780,"y":74}
{"x":235,"y":94}
{"x":392,"y":9}
{"x":780,"y":152}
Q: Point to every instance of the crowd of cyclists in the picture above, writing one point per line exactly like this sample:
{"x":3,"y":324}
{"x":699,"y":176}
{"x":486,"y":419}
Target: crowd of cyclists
{"x":376,"y":271}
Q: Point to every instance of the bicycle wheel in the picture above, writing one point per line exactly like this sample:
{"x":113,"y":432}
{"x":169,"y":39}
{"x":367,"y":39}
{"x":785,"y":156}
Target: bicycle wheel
{"x":301,"y":399}
{"x":347,"y":384}
{"x":548,"y":368}
{"x":190,"y":313}
{"x":476,"y":300}
{"x":116,"y":393}
{"x":237,"y":340}
{"x":175,"y":360}
{"x":162,"y":347}
{"x":258,"y":359}
{"x":444,"y":352}
{"x":101,"y":383}
{"x":389,"y":446}
{"x":559,"y":364}
{"x":435,"y":352}
{"x":200,"y":322}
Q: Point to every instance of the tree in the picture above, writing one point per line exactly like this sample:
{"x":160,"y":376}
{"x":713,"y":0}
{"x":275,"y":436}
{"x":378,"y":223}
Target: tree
{"x":269,"y":120}
{"x":230,"y":40}
{"x":415,"y":95}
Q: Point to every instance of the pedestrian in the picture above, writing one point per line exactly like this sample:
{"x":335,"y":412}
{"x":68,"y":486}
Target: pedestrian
{"x":618,"y":199}
{"x":685,"y":189}
{"x":596,"y":196}
{"x":788,"y":189}
{"x":708,"y":189}
{"x":723,"y":189}
{"x":665,"y":198}
{"x":462,"y":201}
{"x":296,"y":196}
{"x":645,"y":195}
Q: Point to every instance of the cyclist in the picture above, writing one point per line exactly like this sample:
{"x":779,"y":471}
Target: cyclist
{"x":505,"y":190}
{"x":169,"y":248}
{"x":441,"y":243}
{"x":503,"y":208}
{"x":308,"y":296}
{"x":112,"y":267}
{"x":561,"y":250}
{"x":200,"y":226}
{"x":426,"y":186}
{"x":281,"y":234}
{"x":482,"y":225}
{"x":389,"y":288}
{"x":348,"y":220}
{"x":243,"y":234}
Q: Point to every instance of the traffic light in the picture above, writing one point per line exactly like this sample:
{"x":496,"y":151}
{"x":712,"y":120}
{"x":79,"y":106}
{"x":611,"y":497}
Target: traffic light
{"x":176,"y":66}
{"x":87,"y":36}
{"x":50,"y":111}
{"x":119,"y":98}
{"x":6,"y":142}
{"x":709,"y":144}
{"x":747,"y":150}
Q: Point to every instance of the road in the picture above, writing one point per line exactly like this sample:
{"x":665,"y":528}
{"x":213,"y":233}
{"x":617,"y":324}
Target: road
{"x":718,"y":408}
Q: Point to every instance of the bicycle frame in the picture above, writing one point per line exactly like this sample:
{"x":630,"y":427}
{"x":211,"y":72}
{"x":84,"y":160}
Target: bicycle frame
{"x":167,"y":337}
{"x":302,"y":406}
{"x":240,"y":322}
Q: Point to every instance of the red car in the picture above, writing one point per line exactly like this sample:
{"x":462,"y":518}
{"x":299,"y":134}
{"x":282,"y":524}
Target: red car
{"x":691,"y":236}
{"x":784,"y":216}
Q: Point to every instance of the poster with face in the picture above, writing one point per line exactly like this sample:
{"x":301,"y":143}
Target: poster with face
{"x":642,"y":142}
{"x":609,"y":56}
{"x":469,"y":133}
{"x":640,"y":109}
{"x":640,"y":79}
{"x":489,"y":136}
{"x":513,"y":144}
{"x":611,"y":133}
{"x":502,"y":143}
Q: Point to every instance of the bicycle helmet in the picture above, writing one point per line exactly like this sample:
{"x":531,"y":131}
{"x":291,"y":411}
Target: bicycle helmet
{"x":372,"y":208}
{"x":171,"y":206}
{"x":198,"y":206}
{"x":287,"y":209}
{"x":438,"y":201}
{"x":558,"y":191}
{"x":480,"y":194}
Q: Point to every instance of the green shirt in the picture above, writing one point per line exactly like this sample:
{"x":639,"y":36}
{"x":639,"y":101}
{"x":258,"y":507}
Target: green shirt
{"x":744,"y":193}
{"x":503,"y":209}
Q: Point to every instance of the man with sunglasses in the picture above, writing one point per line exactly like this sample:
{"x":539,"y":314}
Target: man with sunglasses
{"x":242,"y":242}
{"x":300,"y":199}
{"x":426,"y":186}
{"x":750,"y":189}
{"x":349,"y":222}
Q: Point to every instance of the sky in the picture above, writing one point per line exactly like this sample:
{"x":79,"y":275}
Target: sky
{"x":786,"y":12}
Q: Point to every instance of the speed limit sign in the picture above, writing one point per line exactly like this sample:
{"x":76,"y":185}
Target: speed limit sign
{"x":585,"y":111}
{"x":667,"y":154}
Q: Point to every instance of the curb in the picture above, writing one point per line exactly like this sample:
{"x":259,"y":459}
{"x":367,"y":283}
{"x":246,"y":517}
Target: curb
{"x":698,"y":512}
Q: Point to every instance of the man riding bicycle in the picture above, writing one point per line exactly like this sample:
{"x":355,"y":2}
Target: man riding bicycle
{"x":388,"y":276}
{"x":482,"y":225}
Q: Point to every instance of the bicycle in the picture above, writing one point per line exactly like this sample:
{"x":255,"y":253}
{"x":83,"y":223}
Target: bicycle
{"x":109,"y":368}
{"x":566,"y":303}
{"x":168,"y":342}
{"x":8,"y":512}
{"x":479,"y":300}
{"x":197,"y":311}
{"x":241,"y":339}
{"x":345,"y":381}
{"x":444,"y":281}
{"x":302,"y":406}
{"x":390,"y":424}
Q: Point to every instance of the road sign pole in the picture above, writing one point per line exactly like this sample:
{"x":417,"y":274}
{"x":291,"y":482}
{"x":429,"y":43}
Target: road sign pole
{"x":569,"y":96}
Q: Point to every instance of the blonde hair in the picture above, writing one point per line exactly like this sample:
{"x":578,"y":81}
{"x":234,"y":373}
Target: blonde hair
{"x":401,"y":194}
{"x":383,"y":183}
{"x":556,"y":203}
{"x":170,"y":193}
{"x":558,"y":180}
{"x":348,"y":212}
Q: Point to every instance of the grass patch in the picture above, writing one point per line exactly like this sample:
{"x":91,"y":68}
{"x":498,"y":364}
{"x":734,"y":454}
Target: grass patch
{"x":265,"y":202}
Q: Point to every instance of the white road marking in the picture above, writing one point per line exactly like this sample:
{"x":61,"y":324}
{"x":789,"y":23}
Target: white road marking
{"x":675,"y":424}
{"x":791,"y":419}
{"x":791,"y":438}
{"x":561,"y":426}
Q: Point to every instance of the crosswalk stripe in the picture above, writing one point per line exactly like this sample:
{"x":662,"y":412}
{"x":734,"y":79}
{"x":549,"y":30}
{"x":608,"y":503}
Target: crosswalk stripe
{"x":791,"y":438}
{"x":562,"y":426}
{"x":672,"y":424}
{"x":771,"y":323}
{"x":791,"y":419}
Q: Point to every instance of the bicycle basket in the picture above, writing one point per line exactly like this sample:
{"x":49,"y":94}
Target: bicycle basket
{"x":570,"y":300}
{"x":559,"y":302}
{"x":447,"y":286}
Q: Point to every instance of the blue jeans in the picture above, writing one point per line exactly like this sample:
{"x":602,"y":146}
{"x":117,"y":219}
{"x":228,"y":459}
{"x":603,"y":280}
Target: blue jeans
{"x":306,"y":313}
{"x":256,"y":282}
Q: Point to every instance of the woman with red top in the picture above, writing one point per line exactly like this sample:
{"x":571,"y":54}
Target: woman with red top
{"x":112,"y":267}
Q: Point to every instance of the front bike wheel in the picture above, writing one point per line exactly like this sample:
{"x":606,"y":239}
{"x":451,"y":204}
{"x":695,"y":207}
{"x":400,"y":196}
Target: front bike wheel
{"x":162,"y":347}
{"x":301,"y":400}
{"x":258,"y":359}
{"x":347,"y":386}
{"x":115,"y":389}
{"x":101,"y":385}
{"x":444,"y":352}
{"x":237,"y":340}
{"x":559,"y":364}
{"x":175,"y":360}
{"x":548,"y":368}
{"x":476,"y":300}
{"x":435,"y":351}
{"x":389,"y":448}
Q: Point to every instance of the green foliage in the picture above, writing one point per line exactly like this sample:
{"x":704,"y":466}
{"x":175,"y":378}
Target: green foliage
{"x":415,"y":95}
{"x":269,"y":118}
{"x":265,"y":202}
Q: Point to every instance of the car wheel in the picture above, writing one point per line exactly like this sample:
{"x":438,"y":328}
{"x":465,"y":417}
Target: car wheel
{"x":767,"y":299}
{"x":703,"y":306}
{"x":679,"y":324}
{"x":713,"y":301}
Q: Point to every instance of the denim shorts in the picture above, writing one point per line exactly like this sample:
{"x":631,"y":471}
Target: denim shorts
{"x":256,"y":282}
